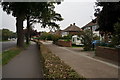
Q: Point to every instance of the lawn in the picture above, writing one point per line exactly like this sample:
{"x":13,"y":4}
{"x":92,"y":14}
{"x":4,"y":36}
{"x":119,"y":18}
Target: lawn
{"x":77,"y":46}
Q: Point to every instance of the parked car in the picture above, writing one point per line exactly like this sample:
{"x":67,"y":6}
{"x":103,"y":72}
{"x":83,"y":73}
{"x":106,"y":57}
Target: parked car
{"x":100,"y":43}
{"x":96,"y":42}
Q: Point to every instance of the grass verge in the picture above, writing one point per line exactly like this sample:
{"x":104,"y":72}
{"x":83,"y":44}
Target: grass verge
{"x":4,"y":40}
{"x":54,"y":67}
{"x":9,"y":54}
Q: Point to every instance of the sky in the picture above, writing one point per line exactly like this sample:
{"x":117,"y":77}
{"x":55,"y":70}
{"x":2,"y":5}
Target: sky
{"x":72,"y":11}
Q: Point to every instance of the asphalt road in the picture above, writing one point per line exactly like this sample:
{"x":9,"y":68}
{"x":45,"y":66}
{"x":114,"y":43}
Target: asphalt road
{"x":6,"y":45}
{"x":85,"y":65}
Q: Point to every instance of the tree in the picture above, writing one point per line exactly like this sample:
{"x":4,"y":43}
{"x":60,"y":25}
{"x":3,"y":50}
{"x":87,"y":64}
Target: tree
{"x":34,"y":11}
{"x":116,"y":35}
{"x":108,"y":16}
{"x":6,"y":33}
{"x":87,"y":39}
{"x":43,"y":14}
{"x":19,"y":11}
{"x":26,"y":10}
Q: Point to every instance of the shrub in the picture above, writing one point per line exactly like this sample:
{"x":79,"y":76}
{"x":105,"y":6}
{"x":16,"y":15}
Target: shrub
{"x":67,"y":38}
{"x":55,"y":38}
{"x":87,"y":40}
{"x":46,"y":36}
{"x":116,"y":35}
{"x":96,"y":37}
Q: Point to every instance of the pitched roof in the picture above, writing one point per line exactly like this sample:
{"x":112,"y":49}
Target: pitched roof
{"x":72,"y":28}
{"x":58,"y":31}
{"x":89,"y":24}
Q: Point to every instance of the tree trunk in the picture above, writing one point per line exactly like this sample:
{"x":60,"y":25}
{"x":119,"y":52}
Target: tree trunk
{"x":28,"y":31}
{"x":20,"y":32}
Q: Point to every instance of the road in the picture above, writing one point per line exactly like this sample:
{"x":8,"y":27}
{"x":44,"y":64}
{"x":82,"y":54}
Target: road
{"x":84,"y":65}
{"x":6,"y":45}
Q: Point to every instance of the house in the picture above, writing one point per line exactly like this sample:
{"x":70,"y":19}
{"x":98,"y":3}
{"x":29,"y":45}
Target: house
{"x":72,"y":30}
{"x":58,"y":32}
{"x":93,"y":27}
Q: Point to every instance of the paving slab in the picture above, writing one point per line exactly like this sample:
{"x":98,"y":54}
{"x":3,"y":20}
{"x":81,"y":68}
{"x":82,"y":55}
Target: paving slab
{"x":25,"y":65}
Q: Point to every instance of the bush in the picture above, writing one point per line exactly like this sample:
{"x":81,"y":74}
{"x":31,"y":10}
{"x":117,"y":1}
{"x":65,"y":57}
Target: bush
{"x":116,"y":35}
{"x":55,"y":38}
{"x":96,"y":37}
{"x":87,"y":40}
{"x":67,"y":38}
{"x":46,"y":36}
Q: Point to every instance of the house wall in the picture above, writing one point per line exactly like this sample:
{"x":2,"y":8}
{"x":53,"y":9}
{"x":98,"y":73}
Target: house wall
{"x":70,"y":33}
{"x":94,"y":27}
{"x":74,"y":33}
{"x":96,"y":32}
{"x":64,"y":34}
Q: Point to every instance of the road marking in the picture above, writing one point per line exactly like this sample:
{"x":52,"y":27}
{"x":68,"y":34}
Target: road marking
{"x":109,"y":64}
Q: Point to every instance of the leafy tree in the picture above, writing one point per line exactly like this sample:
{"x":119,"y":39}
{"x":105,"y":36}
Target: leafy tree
{"x":87,"y":39}
{"x":6,"y":33}
{"x":46,"y":36}
{"x":30,"y":11}
{"x":96,"y":37}
{"x":19,"y":11}
{"x":43,"y":14}
{"x":116,"y":35}
{"x":108,"y":16}
{"x":34,"y":11}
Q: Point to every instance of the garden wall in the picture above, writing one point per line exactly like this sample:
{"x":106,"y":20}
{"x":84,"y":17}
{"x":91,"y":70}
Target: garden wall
{"x":108,"y":53}
{"x":64,"y":43}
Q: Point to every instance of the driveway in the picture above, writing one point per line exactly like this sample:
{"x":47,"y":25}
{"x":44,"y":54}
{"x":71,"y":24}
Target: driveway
{"x":85,"y":65}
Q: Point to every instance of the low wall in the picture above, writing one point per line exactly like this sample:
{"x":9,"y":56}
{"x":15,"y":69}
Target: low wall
{"x":64,"y":43}
{"x":108,"y":53}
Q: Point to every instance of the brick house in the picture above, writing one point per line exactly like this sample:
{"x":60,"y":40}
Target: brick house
{"x":92,"y":26}
{"x":72,"y":30}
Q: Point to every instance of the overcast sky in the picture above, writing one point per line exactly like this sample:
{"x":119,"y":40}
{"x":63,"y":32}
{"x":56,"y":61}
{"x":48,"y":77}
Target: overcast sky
{"x":72,"y":12}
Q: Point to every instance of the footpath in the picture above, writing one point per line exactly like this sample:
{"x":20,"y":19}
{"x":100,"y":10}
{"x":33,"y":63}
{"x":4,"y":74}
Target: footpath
{"x":25,"y":65}
{"x":85,"y":66}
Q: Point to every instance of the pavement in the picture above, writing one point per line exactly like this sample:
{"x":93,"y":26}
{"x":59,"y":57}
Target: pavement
{"x":85,"y":65}
{"x":25,"y":65}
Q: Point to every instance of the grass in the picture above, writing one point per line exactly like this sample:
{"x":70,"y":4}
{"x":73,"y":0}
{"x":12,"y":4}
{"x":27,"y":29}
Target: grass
{"x":0,"y":59}
{"x":4,"y":40}
{"x":11,"y":53}
{"x":8,"y":55}
{"x":54,"y":67}
{"x":77,"y":46}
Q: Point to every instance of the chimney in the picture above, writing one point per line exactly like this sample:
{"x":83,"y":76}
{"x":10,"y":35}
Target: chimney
{"x":73,"y":23}
{"x":70,"y":24}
